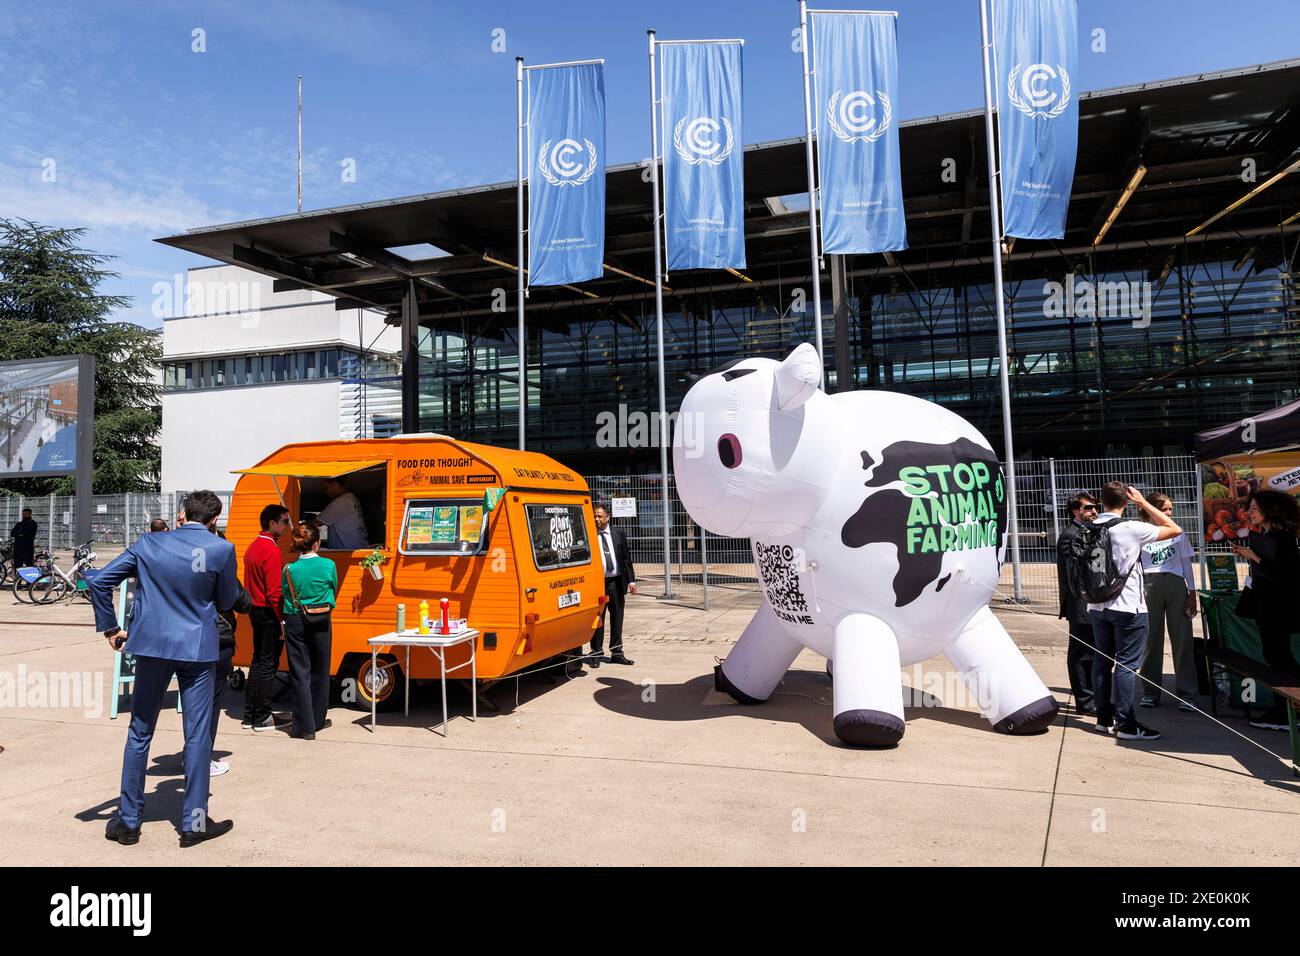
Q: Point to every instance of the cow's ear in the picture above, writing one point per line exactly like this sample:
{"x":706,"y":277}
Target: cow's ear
{"x":798,"y":376}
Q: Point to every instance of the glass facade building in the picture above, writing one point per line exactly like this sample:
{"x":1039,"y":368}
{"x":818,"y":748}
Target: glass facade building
{"x":1171,"y":351}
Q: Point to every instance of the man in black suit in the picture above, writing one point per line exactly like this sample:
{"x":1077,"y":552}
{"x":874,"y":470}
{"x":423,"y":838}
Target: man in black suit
{"x":620,"y":579}
{"x":24,"y":535}
{"x":1078,"y":656}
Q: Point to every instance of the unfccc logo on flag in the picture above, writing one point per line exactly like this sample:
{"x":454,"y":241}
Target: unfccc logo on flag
{"x":1029,"y":89}
{"x":695,"y":140}
{"x":560,"y":165}
{"x":853,"y":118}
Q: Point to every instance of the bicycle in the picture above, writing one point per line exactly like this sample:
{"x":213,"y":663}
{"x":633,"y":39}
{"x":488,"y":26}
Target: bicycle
{"x":57,"y":585}
{"x":6,"y":561}
{"x":24,"y":577}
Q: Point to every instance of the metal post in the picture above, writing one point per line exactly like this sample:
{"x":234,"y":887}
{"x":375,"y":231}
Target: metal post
{"x":704,"y":564}
{"x":1055,"y":506}
{"x":814,"y":245}
{"x":49,"y":532}
{"x":126,"y":519}
{"x":300,"y":142}
{"x":520,"y":283}
{"x":659,"y":312}
{"x":996,"y":222}
{"x":1200,"y":508}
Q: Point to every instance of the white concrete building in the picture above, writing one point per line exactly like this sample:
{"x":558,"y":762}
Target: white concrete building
{"x":246,"y":370}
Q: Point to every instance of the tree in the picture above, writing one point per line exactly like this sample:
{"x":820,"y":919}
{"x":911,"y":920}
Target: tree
{"x":50,"y":304}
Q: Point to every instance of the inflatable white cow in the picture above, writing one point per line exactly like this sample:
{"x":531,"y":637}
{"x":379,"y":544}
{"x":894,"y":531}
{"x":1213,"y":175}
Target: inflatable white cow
{"x":877,"y":523}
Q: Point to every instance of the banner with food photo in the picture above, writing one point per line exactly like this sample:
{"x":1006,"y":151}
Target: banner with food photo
{"x":1259,"y":452}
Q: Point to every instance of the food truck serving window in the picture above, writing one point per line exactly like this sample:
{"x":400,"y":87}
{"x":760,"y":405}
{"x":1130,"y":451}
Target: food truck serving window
{"x":443,"y":526}
{"x":559,"y":536}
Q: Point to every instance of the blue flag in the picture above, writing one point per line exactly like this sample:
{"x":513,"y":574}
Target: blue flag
{"x":566,"y":174}
{"x":704,"y":173}
{"x":1036,"y":50}
{"x":855,"y":59}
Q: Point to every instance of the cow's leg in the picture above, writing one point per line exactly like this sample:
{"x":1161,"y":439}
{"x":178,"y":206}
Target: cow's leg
{"x":868,"y":689}
{"x":1010,"y":694}
{"x":762,"y":655}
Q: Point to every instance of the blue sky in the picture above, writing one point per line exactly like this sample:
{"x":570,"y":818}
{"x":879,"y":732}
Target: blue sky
{"x":149,"y":138}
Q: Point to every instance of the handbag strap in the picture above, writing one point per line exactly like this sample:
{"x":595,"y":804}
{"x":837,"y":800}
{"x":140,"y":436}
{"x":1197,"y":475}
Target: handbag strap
{"x":293,"y":592}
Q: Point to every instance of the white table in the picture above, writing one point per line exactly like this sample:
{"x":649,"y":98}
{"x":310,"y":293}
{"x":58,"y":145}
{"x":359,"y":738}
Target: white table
{"x":438,"y":644}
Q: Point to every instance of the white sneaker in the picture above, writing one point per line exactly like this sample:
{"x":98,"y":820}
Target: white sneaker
{"x":218,"y":768}
{"x":1265,"y":723}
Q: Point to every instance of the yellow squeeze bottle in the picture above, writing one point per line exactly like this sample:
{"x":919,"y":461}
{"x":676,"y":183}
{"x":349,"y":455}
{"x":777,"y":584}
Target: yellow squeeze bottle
{"x":424,"y":617}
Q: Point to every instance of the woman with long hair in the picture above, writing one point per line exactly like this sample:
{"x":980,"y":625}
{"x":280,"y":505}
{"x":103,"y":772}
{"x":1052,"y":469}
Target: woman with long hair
{"x":1171,"y":604}
{"x":311,"y":585}
{"x":1273,"y":595}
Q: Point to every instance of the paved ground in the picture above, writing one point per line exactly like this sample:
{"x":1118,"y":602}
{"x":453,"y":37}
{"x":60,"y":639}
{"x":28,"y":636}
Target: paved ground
{"x":609,"y":768}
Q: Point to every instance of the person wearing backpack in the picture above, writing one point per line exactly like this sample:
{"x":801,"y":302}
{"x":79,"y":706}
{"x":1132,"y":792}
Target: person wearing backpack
{"x":1110,"y":570}
{"x":1078,"y":656}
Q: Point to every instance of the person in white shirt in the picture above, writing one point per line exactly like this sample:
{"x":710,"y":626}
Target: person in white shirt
{"x":1119,"y":626}
{"x":347,"y":527}
{"x":1171,"y":602}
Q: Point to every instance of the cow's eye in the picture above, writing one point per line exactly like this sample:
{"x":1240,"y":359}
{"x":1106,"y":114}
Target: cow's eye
{"x":729,"y":451}
{"x":736,"y":373}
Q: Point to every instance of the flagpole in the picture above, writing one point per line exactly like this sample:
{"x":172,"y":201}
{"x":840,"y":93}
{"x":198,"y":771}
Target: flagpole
{"x":814,"y":245}
{"x":659,"y":316}
{"x":1003,"y":372}
{"x":519,"y":257}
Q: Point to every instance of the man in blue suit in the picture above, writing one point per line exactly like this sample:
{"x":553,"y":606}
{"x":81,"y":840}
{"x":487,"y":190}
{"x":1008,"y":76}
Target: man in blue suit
{"x":183,"y":577}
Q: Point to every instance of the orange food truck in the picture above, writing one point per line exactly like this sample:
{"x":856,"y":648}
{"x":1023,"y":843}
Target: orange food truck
{"x":506,"y":536}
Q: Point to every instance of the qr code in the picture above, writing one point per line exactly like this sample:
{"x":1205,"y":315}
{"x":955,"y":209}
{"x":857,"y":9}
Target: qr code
{"x":780,"y":578}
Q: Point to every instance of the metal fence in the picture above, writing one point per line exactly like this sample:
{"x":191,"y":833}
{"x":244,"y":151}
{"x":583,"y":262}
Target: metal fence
{"x":114,"y":519}
{"x":703,"y":569}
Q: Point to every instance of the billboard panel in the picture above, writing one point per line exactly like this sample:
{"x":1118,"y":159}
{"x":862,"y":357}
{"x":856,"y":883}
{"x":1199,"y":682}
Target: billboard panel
{"x":39,"y":416}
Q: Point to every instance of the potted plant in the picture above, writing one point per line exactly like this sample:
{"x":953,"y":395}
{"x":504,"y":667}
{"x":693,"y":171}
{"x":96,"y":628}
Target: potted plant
{"x":373,"y":562}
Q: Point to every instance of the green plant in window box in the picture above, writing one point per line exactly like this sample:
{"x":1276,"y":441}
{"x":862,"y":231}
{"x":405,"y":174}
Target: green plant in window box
{"x":374,"y":563}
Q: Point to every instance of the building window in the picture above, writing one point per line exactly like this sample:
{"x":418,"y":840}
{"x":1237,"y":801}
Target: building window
{"x":305,"y":365}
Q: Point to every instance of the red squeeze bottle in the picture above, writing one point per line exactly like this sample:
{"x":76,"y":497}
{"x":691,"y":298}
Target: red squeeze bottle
{"x":446,"y":626}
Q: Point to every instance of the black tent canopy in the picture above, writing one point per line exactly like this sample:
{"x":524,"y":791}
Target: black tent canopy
{"x":1274,"y":430}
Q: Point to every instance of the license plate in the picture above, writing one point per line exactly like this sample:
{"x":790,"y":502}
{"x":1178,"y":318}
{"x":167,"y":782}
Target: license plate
{"x":570,"y":599}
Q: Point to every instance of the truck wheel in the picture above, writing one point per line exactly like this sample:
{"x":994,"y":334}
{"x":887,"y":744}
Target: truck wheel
{"x":386,"y":685}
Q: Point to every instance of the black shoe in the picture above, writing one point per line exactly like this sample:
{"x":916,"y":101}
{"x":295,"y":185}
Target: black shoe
{"x":327,"y":723}
{"x":122,"y":834}
{"x":593,"y":660}
{"x":215,"y":829}
{"x":620,"y":659}
{"x":1136,"y":731}
{"x":302,"y":735}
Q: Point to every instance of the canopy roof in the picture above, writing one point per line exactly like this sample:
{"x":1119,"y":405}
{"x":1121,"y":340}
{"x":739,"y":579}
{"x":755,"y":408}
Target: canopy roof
{"x":1274,"y":430}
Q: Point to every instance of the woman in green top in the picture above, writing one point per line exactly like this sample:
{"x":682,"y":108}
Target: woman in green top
{"x":310,"y":583}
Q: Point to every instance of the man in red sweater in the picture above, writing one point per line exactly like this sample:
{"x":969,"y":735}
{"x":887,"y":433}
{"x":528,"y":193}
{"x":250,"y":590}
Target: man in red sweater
{"x":263,"y":569}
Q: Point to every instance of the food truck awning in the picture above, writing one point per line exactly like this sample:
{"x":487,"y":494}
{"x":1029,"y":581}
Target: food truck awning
{"x":311,"y":469}
{"x":1273,"y":430}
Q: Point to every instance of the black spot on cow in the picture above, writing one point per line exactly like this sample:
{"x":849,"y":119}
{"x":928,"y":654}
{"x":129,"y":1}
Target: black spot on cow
{"x":882,"y":517}
{"x":942,"y":581}
{"x":867,"y":461}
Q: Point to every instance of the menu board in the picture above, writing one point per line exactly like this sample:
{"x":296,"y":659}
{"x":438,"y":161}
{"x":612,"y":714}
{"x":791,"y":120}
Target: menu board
{"x":419,"y":526}
{"x":443,"y":530}
{"x":1222,"y":573}
{"x":471,"y":523}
